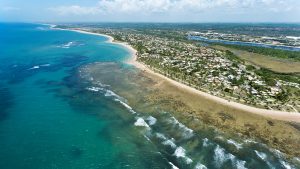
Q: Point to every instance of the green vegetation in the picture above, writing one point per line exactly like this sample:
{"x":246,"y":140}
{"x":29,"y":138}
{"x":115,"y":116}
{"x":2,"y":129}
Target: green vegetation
{"x":219,"y":72}
{"x":269,"y":75}
{"x":232,"y":56}
{"x":282,"y":54}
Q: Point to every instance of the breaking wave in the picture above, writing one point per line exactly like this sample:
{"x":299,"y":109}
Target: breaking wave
{"x":237,"y":145}
{"x":151,"y":120}
{"x":95,"y":89}
{"x":285,"y":164}
{"x":220,"y":157}
{"x":200,"y":166}
{"x":187,"y":132}
{"x":170,"y":143}
{"x":126,"y":106}
{"x":141,"y":123}
{"x":173,"y":166}
{"x":109,"y":93}
{"x":38,"y":66}
{"x":261,"y":155}
{"x":180,"y":153}
{"x":205,"y":142}
{"x":70,"y":44}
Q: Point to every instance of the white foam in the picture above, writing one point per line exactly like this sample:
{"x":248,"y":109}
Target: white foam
{"x":261,"y":155}
{"x":34,"y":67}
{"x":39,"y":66}
{"x":240,"y":164}
{"x":220,"y":137}
{"x":126,"y":105}
{"x":237,"y":145}
{"x":180,"y":153}
{"x":151,"y":120}
{"x":264,"y":157}
{"x":250,"y":141}
{"x":200,"y":166}
{"x":173,"y":166}
{"x":147,"y":138}
{"x":68,"y":45}
{"x":141,"y":122}
{"x":161,"y":136}
{"x":45,"y":65}
{"x":118,"y":98}
{"x":188,"y":160}
{"x":94,"y":89}
{"x":110,"y":93}
{"x":293,"y":37}
{"x":101,"y":84}
{"x":277,"y":153}
{"x":285,"y":164}
{"x":220,"y":156}
{"x":188,"y":133}
{"x":205,"y":142}
{"x":169,"y":142}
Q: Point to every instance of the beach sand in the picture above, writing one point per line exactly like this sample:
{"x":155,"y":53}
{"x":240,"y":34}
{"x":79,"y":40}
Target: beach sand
{"x":278,"y":115}
{"x":150,"y":90}
{"x":273,"y":114}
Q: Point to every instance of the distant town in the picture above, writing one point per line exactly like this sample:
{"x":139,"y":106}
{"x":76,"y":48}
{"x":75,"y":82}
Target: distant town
{"x":213,"y":71}
{"x":289,"y":41}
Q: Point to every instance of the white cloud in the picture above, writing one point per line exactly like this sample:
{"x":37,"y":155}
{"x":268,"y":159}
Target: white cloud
{"x":75,"y":10}
{"x":171,"y":6}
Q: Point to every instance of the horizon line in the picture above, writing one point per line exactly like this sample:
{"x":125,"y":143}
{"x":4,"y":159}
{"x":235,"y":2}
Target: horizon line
{"x":149,"y":22}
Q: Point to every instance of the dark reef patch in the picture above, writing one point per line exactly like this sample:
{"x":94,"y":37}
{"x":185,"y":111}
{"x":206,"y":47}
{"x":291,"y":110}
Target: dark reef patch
{"x":6,"y":101}
{"x":71,"y":60}
{"x":76,"y":152}
{"x":16,"y":73}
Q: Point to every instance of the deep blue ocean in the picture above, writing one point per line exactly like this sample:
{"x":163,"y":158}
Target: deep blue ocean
{"x":48,"y":120}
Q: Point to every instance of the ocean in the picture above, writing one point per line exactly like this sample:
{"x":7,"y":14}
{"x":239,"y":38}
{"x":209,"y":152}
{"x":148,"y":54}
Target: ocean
{"x":54,"y":113}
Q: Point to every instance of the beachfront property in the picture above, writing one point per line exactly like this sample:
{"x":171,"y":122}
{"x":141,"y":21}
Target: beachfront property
{"x":216,"y":72}
{"x":209,"y":70}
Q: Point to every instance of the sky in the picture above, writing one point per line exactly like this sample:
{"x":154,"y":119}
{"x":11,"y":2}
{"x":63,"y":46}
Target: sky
{"x":150,"y":11}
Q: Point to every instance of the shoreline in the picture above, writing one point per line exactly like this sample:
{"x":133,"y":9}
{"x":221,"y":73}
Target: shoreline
{"x":110,"y":39}
{"x":273,"y":114}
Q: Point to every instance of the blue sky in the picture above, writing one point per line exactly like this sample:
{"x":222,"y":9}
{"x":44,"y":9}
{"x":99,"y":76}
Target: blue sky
{"x":150,"y":10}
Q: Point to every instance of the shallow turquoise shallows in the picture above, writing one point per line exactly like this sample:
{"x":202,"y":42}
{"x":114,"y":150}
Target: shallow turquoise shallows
{"x":50,"y":118}
{"x":40,"y":128}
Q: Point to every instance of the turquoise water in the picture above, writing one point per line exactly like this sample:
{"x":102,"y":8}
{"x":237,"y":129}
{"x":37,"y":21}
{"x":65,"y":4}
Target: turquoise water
{"x":39,"y":127}
{"x":51,"y":117}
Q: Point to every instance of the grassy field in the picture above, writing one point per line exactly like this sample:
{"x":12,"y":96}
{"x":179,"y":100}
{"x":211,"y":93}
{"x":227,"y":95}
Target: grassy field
{"x":272,"y":63}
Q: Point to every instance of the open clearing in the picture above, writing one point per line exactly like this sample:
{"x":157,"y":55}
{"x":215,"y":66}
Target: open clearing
{"x":272,"y":63}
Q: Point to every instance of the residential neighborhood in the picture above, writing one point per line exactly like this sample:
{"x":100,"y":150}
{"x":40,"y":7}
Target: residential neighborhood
{"x":219,"y":73}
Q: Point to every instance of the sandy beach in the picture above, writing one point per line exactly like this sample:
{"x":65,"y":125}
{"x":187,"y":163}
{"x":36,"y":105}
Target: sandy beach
{"x":278,"y":115}
{"x":273,"y":114}
{"x":110,"y":39}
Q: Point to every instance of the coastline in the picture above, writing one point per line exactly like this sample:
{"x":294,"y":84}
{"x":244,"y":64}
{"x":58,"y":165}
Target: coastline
{"x":110,"y":39}
{"x":273,"y":114}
